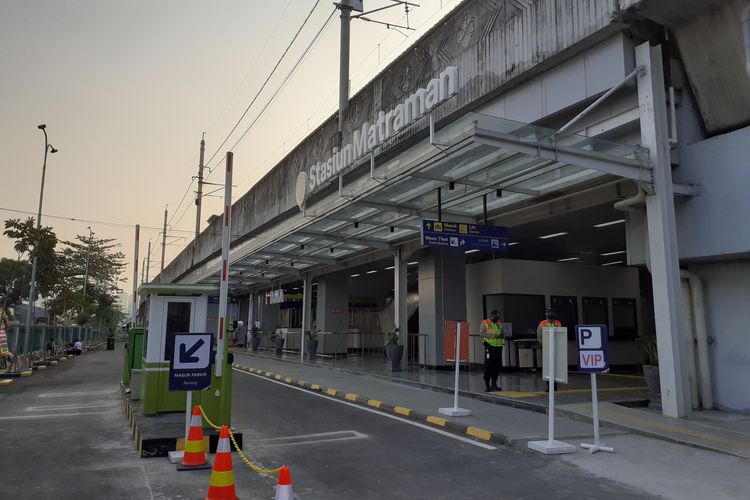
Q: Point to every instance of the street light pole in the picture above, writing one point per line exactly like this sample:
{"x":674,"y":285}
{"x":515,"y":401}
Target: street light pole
{"x":32,"y":288}
{"x":88,"y":255}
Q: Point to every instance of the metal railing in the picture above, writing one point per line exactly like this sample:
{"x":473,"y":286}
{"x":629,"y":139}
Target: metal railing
{"x":44,"y":341}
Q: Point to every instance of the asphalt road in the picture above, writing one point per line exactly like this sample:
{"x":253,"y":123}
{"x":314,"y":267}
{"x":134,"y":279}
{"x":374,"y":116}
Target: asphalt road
{"x":337,"y":450}
{"x":63,"y":435}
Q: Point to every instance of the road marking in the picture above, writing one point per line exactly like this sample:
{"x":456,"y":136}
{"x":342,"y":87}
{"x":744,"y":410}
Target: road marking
{"x":387,"y":415}
{"x":95,"y":404}
{"x":58,"y":415}
{"x":322,"y":437}
{"x":71,"y":394}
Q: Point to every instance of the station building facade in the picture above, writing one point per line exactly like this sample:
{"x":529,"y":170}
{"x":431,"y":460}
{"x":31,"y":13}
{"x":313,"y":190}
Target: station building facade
{"x":606,"y":135}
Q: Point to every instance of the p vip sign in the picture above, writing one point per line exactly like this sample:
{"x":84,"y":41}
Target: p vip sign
{"x":592,"y":348}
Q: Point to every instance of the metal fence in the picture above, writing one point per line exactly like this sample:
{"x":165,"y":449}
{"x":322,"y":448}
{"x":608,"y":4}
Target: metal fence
{"x":345,"y":345}
{"x":42,"y":336}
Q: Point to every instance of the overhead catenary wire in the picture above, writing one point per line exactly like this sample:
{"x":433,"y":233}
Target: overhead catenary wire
{"x":263,"y":86}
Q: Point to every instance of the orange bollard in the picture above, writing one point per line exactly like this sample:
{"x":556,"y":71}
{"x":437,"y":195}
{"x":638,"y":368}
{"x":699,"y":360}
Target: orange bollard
{"x":221,"y":485}
{"x":194,"y":456}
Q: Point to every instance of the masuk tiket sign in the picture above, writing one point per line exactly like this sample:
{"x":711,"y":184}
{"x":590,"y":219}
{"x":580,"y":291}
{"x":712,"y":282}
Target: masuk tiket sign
{"x":464,"y":236}
{"x":592,"y":348}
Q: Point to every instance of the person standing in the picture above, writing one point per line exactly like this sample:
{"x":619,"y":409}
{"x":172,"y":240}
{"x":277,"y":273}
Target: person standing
{"x":492,"y":333}
{"x":549,"y":320}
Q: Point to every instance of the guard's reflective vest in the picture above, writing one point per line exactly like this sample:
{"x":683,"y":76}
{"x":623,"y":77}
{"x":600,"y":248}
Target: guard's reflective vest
{"x":494,"y":329}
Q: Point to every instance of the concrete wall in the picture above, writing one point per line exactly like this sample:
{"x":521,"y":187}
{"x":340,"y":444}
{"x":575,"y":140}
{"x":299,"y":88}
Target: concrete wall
{"x":714,"y":224}
{"x":496,"y":46}
{"x":553,"y":278}
{"x":725,"y":286}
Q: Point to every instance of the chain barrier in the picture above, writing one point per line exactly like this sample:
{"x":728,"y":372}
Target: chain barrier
{"x":248,"y":462}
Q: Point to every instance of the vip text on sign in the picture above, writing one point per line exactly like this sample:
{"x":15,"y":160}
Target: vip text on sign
{"x":190,"y":366}
{"x":464,"y":236}
{"x":592,"y":348}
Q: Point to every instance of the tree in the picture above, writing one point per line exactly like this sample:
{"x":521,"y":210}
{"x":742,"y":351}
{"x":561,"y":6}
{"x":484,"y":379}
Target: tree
{"x":86,"y":292}
{"x":39,"y":243}
{"x":15,"y":277}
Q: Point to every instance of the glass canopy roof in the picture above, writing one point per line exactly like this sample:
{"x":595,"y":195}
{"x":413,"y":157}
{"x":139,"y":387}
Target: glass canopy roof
{"x":475,"y":161}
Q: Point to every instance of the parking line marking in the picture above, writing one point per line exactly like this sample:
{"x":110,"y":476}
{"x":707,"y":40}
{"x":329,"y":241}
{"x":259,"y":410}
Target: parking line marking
{"x":71,"y":394}
{"x":58,"y":415}
{"x":388,"y":415}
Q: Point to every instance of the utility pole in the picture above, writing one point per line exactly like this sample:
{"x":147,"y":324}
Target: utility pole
{"x":143,"y":271}
{"x":134,"y":307}
{"x":88,"y":256}
{"x":163,"y":245}
{"x":148,"y":260}
{"x":199,"y":199}
{"x":346,"y":9}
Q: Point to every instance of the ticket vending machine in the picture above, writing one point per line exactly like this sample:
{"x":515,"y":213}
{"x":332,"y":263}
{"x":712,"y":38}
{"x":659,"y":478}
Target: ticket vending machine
{"x":170,"y":309}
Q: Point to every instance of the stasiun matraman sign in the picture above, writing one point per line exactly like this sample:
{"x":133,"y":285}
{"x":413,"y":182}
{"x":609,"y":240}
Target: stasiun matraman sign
{"x":370,"y":135}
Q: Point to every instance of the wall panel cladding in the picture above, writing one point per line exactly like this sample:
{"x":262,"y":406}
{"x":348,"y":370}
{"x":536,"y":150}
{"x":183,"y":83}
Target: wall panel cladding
{"x":493,"y":43}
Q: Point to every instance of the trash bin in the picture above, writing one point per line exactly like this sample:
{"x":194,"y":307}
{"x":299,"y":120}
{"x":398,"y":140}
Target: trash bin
{"x":110,"y":344}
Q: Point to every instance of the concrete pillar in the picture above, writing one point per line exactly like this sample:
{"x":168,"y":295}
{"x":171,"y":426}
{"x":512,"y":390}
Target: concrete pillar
{"x":442,"y":296}
{"x":306,"y":311}
{"x":662,"y":234}
{"x":333,"y":302}
{"x":400,"y":296}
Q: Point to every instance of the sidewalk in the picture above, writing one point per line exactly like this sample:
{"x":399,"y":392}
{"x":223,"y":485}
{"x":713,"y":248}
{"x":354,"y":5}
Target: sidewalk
{"x":505,"y":414}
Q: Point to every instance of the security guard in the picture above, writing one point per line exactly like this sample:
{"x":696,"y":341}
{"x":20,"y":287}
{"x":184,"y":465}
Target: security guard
{"x":492,"y":332}
{"x":549,"y":320}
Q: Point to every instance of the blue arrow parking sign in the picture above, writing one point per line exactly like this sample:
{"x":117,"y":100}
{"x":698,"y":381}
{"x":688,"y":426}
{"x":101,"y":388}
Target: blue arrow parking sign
{"x":190,"y":366}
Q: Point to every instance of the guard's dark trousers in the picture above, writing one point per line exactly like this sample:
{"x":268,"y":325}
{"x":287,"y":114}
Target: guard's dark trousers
{"x":493,"y":357}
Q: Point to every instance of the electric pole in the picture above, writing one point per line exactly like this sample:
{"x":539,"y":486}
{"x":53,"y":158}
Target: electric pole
{"x":148,"y":260}
{"x":163,"y":245}
{"x":346,"y":9}
{"x":88,"y":256}
{"x":199,"y":199}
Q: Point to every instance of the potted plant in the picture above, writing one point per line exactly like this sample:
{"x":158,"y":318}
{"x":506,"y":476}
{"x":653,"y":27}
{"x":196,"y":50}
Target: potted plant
{"x":278,"y":340}
{"x":393,"y":350}
{"x":311,"y":342}
{"x":256,"y":336}
{"x":650,"y":352}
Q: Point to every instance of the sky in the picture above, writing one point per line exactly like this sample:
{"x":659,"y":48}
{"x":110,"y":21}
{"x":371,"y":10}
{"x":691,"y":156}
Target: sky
{"x":127,"y":87}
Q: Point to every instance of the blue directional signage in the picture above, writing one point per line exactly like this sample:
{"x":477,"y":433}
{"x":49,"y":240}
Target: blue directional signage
{"x":464,"y":236}
{"x":592,"y":348}
{"x":190,"y":366}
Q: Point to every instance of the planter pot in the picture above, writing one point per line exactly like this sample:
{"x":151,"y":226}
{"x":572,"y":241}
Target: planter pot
{"x":279,"y":344}
{"x":651,"y":373}
{"x":311,"y":348}
{"x":255,"y":342}
{"x":394,"y":353}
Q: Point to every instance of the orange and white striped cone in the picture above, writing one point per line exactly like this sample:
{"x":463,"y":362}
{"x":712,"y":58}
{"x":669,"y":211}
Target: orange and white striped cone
{"x":284,"y":486}
{"x":194,"y":456}
{"x":221,"y":486}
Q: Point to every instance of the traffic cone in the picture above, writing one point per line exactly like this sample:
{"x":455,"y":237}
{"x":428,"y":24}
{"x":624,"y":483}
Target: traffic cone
{"x":221,"y":486}
{"x":284,"y":486}
{"x":194,"y":456}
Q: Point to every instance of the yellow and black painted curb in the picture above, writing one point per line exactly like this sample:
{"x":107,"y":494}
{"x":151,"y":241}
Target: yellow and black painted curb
{"x":401,"y":411}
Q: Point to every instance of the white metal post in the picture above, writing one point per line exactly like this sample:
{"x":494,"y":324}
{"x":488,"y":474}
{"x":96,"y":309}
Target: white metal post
{"x":597,"y":446}
{"x":188,"y":413}
{"x":306,"y":313}
{"x":224,"y":289}
{"x":662,"y":233}
{"x":400,"y":302}
{"x":456,"y":411}
{"x":551,"y":446}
